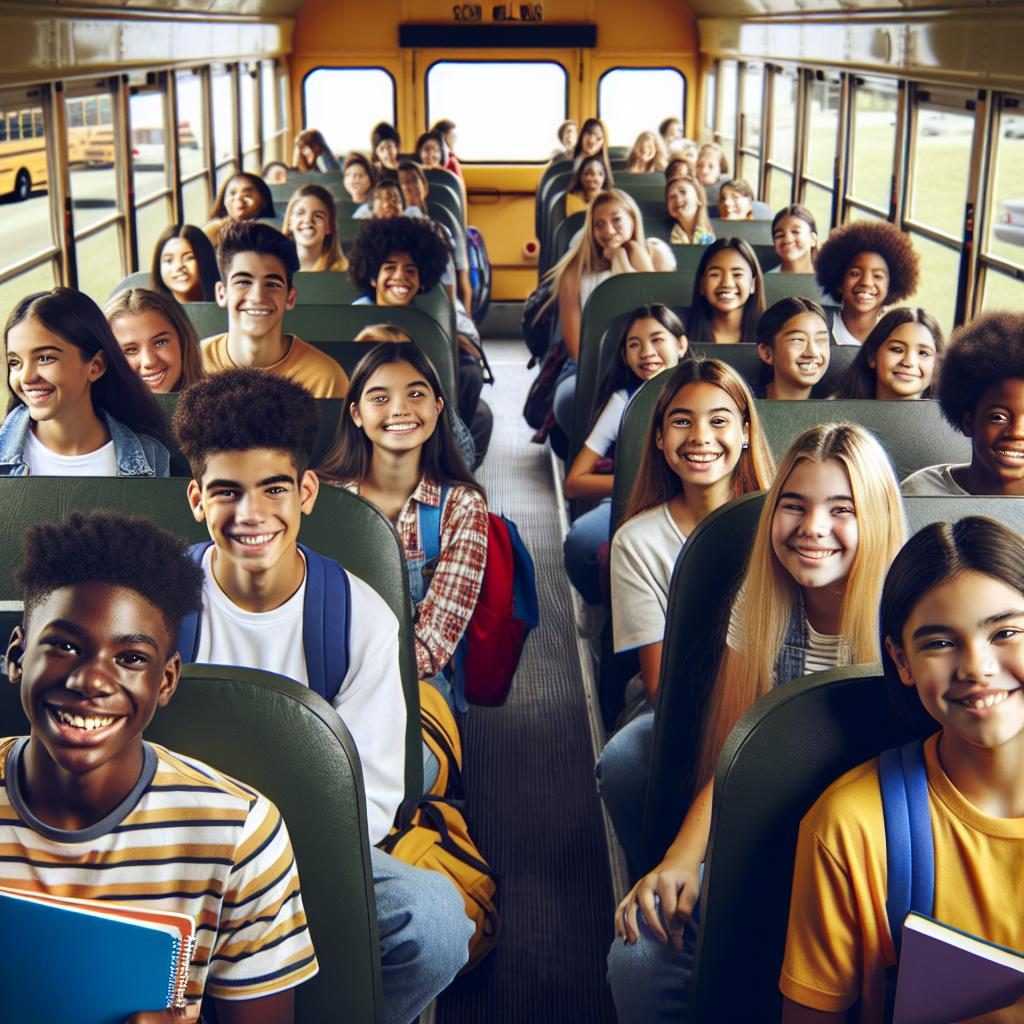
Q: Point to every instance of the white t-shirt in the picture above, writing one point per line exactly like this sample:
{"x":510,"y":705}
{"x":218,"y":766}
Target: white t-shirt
{"x":841,"y":334}
{"x":644,"y":553}
{"x":933,"y":480}
{"x":606,"y":427}
{"x":370,"y":701}
{"x":42,"y":462}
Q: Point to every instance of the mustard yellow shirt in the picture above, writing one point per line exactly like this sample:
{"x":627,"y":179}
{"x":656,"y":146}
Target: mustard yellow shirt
{"x":838,"y":943}
{"x":574,"y":204}
{"x":318,"y":373}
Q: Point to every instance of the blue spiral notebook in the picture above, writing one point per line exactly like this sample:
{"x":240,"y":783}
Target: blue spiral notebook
{"x":66,"y":961}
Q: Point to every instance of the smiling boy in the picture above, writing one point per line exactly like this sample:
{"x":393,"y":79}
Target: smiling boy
{"x":256,"y":264}
{"x":248,"y":438}
{"x":88,"y":809}
{"x":981,"y":393}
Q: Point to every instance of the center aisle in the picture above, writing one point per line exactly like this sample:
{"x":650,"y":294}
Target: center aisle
{"x":533,"y":806}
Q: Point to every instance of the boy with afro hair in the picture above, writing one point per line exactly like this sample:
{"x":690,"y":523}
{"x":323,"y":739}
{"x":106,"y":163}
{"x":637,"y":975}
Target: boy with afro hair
{"x":394,"y":259}
{"x":257,"y":264}
{"x":981,"y":393}
{"x":865,"y":265}
{"x":248,"y":438}
{"x":88,"y":807}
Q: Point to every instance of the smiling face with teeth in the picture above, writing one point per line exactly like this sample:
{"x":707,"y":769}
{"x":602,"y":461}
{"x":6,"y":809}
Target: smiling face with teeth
{"x":397,"y":410}
{"x":996,"y":428}
{"x":256,"y":297}
{"x":905,"y":362}
{"x":799,"y":356}
{"x":727,"y":282}
{"x":865,"y":285}
{"x":49,"y":374}
{"x":252,"y":502}
{"x":702,"y":436}
{"x":95,"y":663}
{"x":962,"y":648}
{"x":397,"y":282}
{"x":649,"y":347}
{"x":152,"y":347}
{"x":814,"y":527}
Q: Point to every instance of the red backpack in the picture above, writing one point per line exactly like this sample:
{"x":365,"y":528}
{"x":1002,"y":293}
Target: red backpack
{"x":506,"y":610}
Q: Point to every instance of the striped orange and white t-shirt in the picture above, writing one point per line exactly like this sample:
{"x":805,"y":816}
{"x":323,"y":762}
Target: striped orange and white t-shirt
{"x":185,"y":839}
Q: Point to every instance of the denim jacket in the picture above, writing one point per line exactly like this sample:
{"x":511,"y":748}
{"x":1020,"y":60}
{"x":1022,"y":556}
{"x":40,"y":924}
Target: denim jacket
{"x":136,"y":454}
{"x":792,"y":659}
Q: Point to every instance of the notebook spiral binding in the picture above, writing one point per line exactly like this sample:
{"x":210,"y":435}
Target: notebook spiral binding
{"x":178,"y":982}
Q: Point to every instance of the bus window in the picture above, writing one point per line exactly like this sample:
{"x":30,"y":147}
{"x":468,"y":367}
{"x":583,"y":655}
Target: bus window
{"x":147,"y":114}
{"x":347,"y":125}
{"x":250,"y":135}
{"x":781,"y":158}
{"x":195,"y":188}
{"x":632,"y":100}
{"x":1003,"y":256}
{"x":710,"y":100}
{"x":725,"y":133}
{"x":873,"y":144}
{"x":224,"y":120}
{"x":822,"y":132}
{"x":751,"y":100}
{"x":273,"y":119}
{"x":487,"y":100}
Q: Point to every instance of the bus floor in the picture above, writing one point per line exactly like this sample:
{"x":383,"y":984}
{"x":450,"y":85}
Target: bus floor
{"x":532,"y":802}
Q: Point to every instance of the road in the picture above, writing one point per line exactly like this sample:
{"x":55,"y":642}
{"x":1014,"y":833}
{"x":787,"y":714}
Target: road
{"x":25,"y":226}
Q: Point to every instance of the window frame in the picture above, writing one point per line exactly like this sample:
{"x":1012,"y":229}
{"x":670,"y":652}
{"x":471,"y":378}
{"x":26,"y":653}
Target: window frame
{"x":348,"y":67}
{"x":646,"y":67}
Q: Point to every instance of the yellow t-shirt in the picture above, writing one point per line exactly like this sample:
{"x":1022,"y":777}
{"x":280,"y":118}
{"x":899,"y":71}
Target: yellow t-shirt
{"x":574,"y":203}
{"x":318,"y":373}
{"x":838,"y":943}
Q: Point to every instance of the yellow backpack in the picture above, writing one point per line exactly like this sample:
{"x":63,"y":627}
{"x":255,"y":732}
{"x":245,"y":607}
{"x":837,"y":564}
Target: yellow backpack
{"x":432,"y":833}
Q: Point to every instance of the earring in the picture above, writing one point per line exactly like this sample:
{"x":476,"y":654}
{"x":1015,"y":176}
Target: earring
{"x":746,"y":445}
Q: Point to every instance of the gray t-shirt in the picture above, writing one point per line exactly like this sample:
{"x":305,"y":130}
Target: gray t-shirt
{"x":934,"y":481}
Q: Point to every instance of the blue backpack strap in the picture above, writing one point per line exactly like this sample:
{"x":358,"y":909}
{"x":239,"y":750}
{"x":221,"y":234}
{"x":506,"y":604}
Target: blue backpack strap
{"x":429,"y":525}
{"x":910,"y":848}
{"x":188,"y":635}
{"x":326,"y":623}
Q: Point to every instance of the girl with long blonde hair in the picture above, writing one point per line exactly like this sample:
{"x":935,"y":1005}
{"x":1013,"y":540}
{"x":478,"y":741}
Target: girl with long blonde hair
{"x":831,"y":525}
{"x":648,"y":154}
{"x":311,"y":222}
{"x":612,"y":242}
{"x":704,"y":448}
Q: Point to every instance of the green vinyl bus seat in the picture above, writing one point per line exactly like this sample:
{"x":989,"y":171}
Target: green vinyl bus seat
{"x":342,"y":526}
{"x":289,"y":744}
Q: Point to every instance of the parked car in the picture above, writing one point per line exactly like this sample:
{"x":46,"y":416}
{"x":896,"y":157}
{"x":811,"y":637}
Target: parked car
{"x":1009,"y":223}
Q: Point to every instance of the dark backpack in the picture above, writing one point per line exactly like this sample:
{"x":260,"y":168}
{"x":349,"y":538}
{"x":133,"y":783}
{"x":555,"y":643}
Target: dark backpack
{"x":326,"y":622}
{"x":538,"y":410}
{"x":506,"y":610}
{"x":539,"y":328}
{"x":479,"y":273}
{"x":909,"y":846}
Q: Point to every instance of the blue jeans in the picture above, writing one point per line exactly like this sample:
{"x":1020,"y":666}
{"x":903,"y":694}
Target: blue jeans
{"x":565,"y":397}
{"x":424,"y":934}
{"x":582,"y":543}
{"x":623,"y":770}
{"x":649,"y":980}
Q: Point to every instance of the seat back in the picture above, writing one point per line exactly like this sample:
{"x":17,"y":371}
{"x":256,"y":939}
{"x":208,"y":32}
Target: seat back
{"x":784,"y":752}
{"x":342,"y":526}
{"x":706,"y":575}
{"x":324,"y":288}
{"x":756,"y":232}
{"x":333,"y":323}
{"x":289,"y":744}
{"x":913,"y":433}
{"x":140,"y":279}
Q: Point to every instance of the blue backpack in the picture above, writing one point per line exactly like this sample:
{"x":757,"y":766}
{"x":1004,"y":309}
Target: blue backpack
{"x":326,"y":622}
{"x":909,"y":846}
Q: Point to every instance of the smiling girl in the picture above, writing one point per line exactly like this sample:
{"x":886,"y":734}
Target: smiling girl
{"x":588,"y":180}
{"x":793,"y":343}
{"x":952,"y":614}
{"x":687,"y":205}
{"x":396,"y":450}
{"x":705,"y":447}
{"x":185,"y":265}
{"x":157,"y":339}
{"x":612,"y":242}
{"x":648,"y":154}
{"x":728,"y":294}
{"x":76,"y":408}
{"x":865,"y":265}
{"x":653,"y":340}
{"x":736,"y":200}
{"x":900,"y":359}
{"x":831,"y":524}
{"x":242,"y":197}
{"x":795,"y":238}
{"x":311,"y":222}
{"x":358,"y":177}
